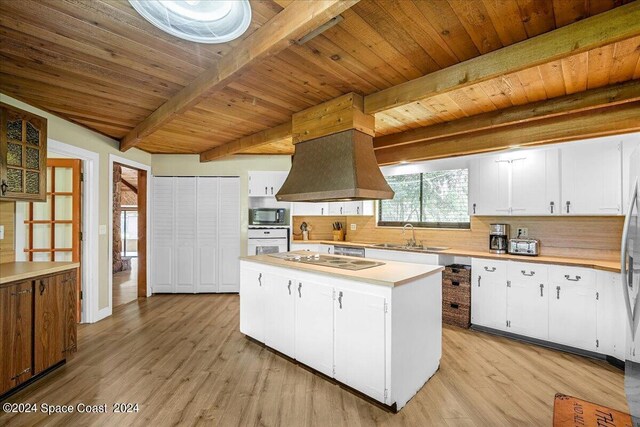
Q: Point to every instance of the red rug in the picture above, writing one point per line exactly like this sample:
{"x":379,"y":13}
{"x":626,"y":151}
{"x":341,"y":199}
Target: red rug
{"x":572,"y":412}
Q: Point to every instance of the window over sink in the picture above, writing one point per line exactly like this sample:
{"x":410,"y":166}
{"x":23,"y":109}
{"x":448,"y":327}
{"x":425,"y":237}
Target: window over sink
{"x":436,"y":199}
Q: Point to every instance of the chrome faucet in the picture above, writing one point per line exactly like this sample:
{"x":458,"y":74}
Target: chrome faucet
{"x":410,"y":242}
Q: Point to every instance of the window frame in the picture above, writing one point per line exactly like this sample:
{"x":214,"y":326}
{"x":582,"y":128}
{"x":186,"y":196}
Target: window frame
{"x":425,"y":224}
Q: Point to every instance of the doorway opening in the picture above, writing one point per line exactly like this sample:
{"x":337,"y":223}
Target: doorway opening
{"x":129,"y":234}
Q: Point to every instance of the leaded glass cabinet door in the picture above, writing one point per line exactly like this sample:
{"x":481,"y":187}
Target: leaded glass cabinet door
{"x":23,"y":155}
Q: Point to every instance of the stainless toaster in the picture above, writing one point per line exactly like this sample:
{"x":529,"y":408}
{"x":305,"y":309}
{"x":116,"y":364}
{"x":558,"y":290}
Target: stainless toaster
{"x":524,"y":247}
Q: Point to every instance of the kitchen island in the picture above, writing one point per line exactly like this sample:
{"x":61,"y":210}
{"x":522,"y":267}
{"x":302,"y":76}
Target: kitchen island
{"x":375,"y":326}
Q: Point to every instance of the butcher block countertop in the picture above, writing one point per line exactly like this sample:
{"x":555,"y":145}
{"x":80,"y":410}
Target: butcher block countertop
{"x":390,"y":274}
{"x":605,"y":265}
{"x":15,"y":271}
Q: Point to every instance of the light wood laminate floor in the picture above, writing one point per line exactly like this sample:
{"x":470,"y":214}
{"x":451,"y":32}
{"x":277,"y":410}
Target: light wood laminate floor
{"x":183,"y":359}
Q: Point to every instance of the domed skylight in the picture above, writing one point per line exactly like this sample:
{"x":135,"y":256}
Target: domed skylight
{"x":202,"y":21}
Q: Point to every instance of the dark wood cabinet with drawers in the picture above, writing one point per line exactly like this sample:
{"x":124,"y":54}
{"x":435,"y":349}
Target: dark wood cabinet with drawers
{"x":456,"y":295}
{"x":37,"y":327}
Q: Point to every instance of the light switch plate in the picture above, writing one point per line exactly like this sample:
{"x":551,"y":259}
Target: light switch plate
{"x":102,"y":229}
{"x":522,"y":232}
{"x":354,"y":227}
{"x":1,"y":232}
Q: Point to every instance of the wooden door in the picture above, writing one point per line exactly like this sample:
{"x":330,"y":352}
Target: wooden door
{"x":360,"y":342}
{"x":54,"y":227}
{"x":163,"y":235}
{"x":572,"y":316}
{"x":252,"y":304}
{"x":207,"y":276}
{"x":535,"y":183}
{"x":592,"y":178}
{"x":229,"y":234}
{"x":186,"y":231}
{"x":16,"y":340}
{"x":314,"y":326}
{"x":48,"y":328}
{"x":279,"y":313}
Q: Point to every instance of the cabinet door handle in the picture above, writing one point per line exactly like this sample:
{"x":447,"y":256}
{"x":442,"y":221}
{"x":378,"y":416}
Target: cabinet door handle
{"x":568,"y":206}
{"x":479,"y":278}
{"x":490,"y":271}
{"x":541,"y":290}
{"x":557,"y":292}
{"x":508,"y":283}
{"x":321,"y":211}
{"x":474,"y":208}
{"x":300,"y":290}
{"x":357,"y":210}
{"x":531,"y":273}
{"x":260,"y":279}
{"x":265,"y":190}
{"x":272,"y":191}
{"x":4,"y":187}
{"x":341,"y":210}
{"x":329,"y":250}
{"x":551,"y":206}
{"x":340,"y":299}
{"x":577,"y":279}
{"x":42,"y":287}
{"x":289,"y":287}
{"x":18,"y":375}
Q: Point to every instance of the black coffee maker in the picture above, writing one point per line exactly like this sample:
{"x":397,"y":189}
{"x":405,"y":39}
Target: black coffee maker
{"x":498,"y":238}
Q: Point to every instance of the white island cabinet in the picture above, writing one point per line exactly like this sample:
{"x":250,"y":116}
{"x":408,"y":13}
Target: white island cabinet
{"x":377,"y":330}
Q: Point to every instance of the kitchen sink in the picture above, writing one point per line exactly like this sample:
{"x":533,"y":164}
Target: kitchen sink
{"x":417,"y":248}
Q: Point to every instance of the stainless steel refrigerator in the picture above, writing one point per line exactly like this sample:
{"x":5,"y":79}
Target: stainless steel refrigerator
{"x":630,"y":271}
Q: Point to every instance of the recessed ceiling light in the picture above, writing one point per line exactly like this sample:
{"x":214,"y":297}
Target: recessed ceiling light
{"x":201,"y":21}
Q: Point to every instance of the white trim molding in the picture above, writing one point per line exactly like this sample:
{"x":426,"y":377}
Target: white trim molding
{"x":90,"y":211}
{"x":136,"y":165}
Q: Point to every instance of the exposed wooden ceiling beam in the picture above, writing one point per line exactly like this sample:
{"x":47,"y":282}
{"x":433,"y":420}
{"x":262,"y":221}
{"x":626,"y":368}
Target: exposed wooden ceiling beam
{"x":268,"y":136}
{"x":574,"y":103}
{"x":605,"y":121}
{"x":293,"y":22}
{"x":129,"y":185}
{"x":599,"y":30}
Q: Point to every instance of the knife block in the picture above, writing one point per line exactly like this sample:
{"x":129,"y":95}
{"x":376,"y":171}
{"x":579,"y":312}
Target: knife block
{"x":338,"y":235}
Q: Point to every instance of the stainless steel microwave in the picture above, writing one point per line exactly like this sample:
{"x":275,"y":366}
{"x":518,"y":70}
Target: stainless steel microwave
{"x":268,"y":216}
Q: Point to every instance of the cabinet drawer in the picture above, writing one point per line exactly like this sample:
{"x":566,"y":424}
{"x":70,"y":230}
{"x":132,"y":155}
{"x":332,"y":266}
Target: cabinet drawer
{"x":528,"y":272}
{"x":456,"y":313}
{"x":572,"y":275}
{"x":489,"y":269}
{"x":458,"y":273}
{"x":456,"y":291}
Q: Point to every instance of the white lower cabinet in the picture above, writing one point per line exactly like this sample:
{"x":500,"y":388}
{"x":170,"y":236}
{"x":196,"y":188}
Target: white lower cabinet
{"x":360,"y":341}
{"x":279,"y":311}
{"x":312,"y":247}
{"x":325,"y":249}
{"x":527,"y":300}
{"x":252,"y":295}
{"x":314,"y":325}
{"x":489,"y":293}
{"x":573,"y":307}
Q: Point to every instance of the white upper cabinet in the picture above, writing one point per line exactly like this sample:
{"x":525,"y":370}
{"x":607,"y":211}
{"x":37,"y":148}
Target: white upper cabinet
{"x":310,"y":209}
{"x":489,"y":180}
{"x":266,"y":184}
{"x":337,"y":208}
{"x":591,"y":177}
{"x":535,"y":182}
{"x":519,"y":183}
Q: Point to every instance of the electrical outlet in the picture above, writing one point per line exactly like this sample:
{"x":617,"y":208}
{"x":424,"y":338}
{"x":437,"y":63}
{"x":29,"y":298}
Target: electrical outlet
{"x":354,"y":227}
{"x":523,"y":232}
{"x":102,"y":229}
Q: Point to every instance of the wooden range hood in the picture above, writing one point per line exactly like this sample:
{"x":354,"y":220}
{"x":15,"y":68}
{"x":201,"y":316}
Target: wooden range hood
{"x":334,"y":158}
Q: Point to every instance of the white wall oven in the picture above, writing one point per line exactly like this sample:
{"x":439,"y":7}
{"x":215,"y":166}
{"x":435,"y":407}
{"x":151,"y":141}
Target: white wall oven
{"x":263,"y":241}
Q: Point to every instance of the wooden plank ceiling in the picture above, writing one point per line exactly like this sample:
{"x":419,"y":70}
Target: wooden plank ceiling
{"x":98,"y":63}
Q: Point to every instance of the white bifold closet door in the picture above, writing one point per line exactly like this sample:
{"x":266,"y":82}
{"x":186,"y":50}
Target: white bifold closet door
{"x":196,"y":234}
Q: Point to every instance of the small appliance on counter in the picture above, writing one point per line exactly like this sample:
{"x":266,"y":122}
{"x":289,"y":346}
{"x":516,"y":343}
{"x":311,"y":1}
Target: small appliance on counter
{"x":529,"y":247}
{"x":498,"y":238}
{"x":268,"y":216}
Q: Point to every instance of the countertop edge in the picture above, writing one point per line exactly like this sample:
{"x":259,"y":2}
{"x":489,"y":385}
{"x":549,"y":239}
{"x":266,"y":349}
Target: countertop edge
{"x":32,"y":272}
{"x":302,"y":267}
{"x":542,"y":259}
